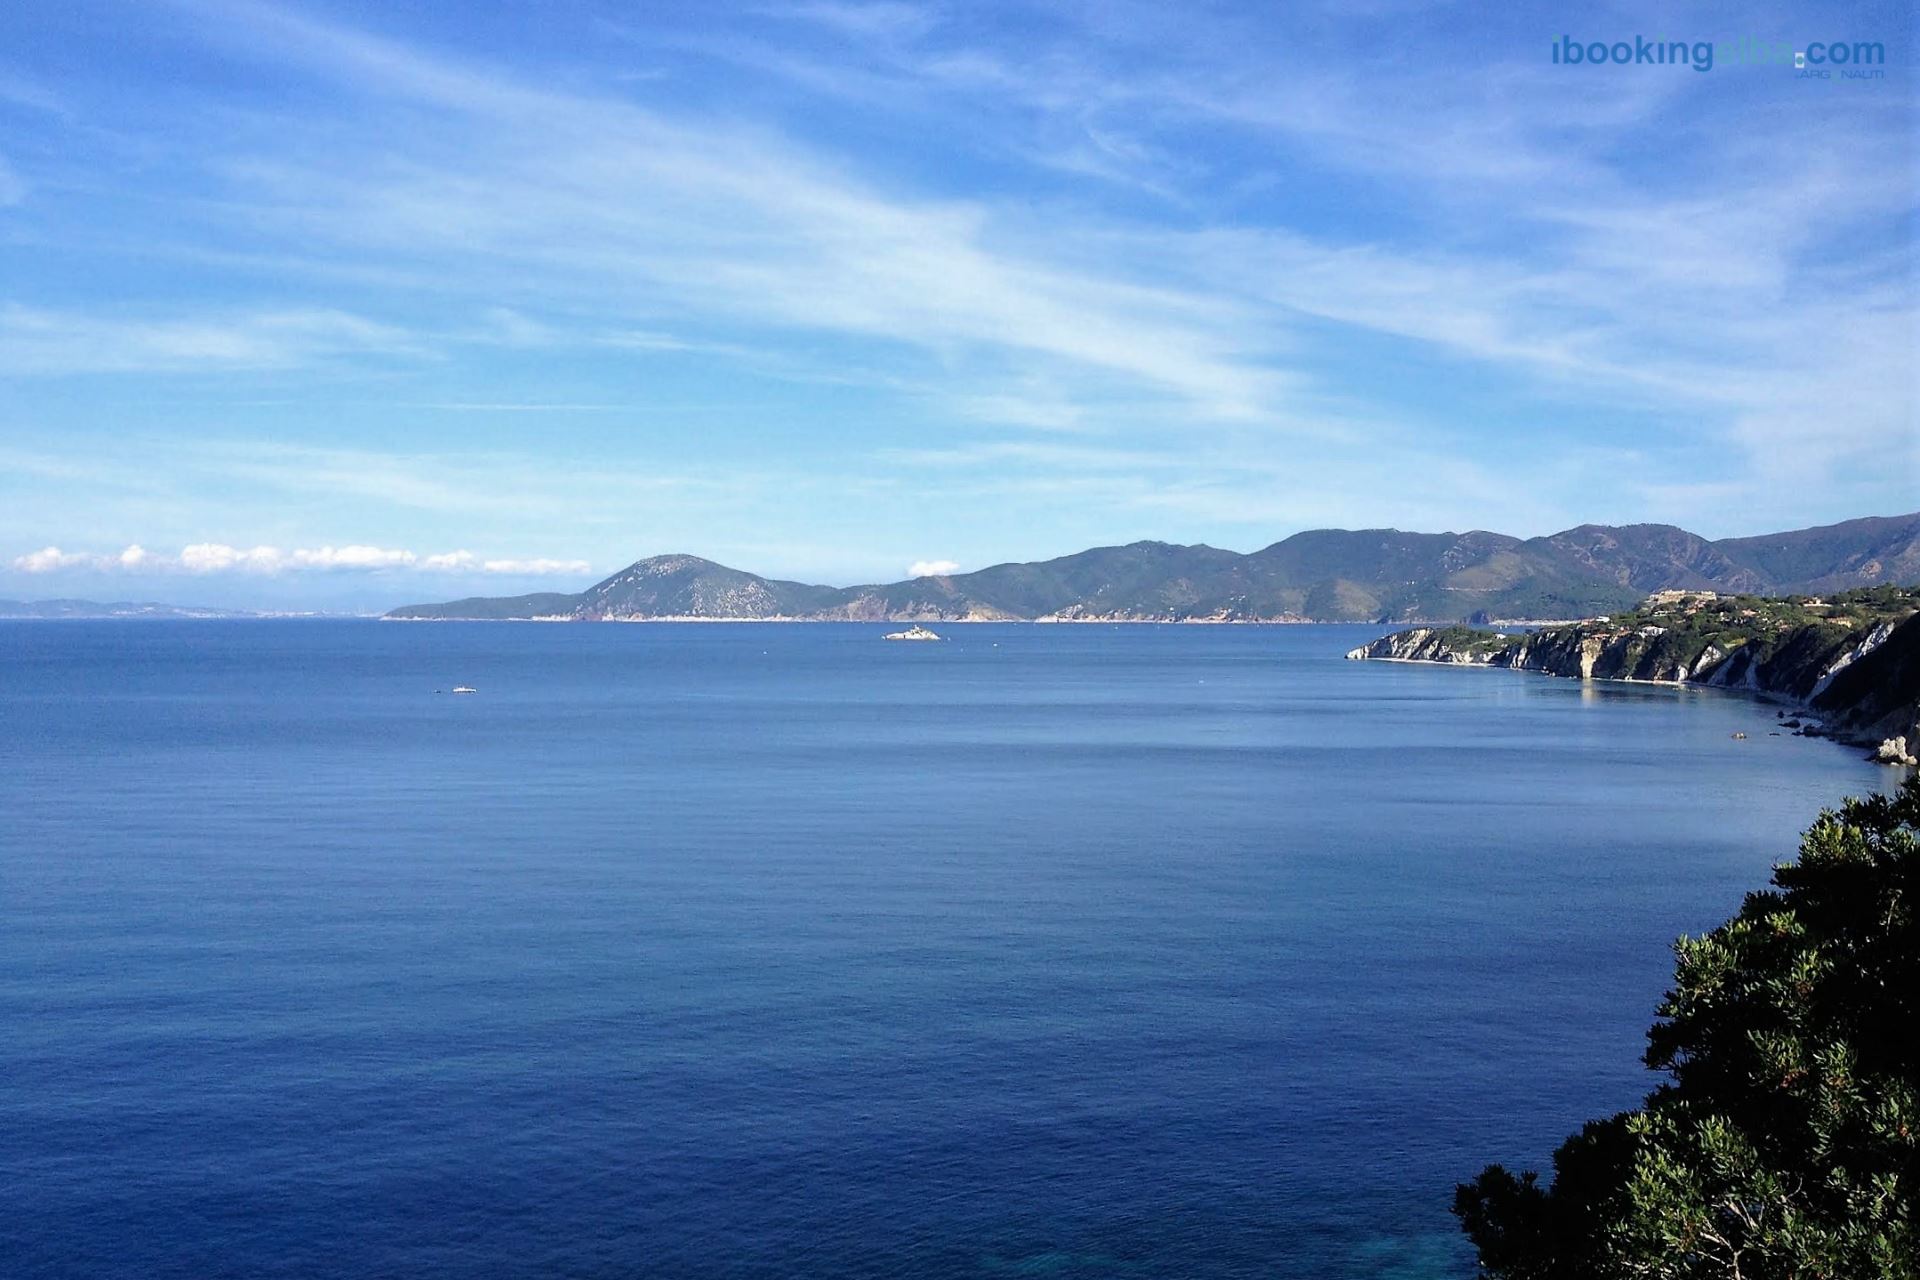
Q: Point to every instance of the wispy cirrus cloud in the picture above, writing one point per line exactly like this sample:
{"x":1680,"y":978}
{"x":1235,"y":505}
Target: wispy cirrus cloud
{"x":608,"y":201}
{"x":1081,"y":271}
{"x":1547,"y":243}
{"x":34,"y":341}
{"x":202,"y":558}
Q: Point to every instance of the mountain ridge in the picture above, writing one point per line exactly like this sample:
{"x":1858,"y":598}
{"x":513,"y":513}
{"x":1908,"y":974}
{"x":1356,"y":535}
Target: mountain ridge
{"x":1319,"y":575}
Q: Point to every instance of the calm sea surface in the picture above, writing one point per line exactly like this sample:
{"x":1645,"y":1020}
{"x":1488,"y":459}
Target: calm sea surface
{"x":780,"y":951}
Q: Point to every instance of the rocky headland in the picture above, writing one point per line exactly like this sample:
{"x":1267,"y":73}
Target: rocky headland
{"x":1850,"y":661}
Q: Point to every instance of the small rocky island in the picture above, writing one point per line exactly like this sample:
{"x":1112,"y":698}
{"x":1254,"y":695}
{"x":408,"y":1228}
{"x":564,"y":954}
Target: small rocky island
{"x":914,"y":633}
{"x":1851,"y":659}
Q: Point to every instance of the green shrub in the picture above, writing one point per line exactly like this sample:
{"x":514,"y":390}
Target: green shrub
{"x":1785,"y":1144}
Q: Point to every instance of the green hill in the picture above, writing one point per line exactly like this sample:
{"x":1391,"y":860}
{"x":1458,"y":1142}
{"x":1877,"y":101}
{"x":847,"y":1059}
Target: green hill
{"x":1329,"y":575}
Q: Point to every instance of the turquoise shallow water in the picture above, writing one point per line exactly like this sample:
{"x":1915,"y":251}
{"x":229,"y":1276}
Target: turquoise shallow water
{"x":756,"y":951}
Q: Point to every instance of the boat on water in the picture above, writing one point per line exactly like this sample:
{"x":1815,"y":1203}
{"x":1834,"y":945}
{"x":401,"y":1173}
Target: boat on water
{"x":915,"y":632}
{"x":462,"y":688}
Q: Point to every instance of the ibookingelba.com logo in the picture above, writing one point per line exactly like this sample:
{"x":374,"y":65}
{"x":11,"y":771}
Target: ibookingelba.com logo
{"x":1856,"y":59}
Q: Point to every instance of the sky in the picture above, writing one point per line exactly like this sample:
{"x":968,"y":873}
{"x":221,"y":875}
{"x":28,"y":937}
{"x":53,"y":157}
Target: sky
{"x":349,"y":304}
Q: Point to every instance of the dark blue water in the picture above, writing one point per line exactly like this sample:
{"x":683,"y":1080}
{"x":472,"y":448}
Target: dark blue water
{"x":755,"y":951}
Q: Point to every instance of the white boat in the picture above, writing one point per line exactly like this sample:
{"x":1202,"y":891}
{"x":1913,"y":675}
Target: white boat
{"x":914,"y":633}
{"x":461,"y":688}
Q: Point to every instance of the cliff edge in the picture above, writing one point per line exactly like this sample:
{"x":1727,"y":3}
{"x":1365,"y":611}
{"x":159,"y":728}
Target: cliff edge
{"x":1852,"y":659}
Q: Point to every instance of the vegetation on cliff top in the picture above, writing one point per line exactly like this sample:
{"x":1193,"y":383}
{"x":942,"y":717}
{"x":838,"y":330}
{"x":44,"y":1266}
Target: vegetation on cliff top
{"x":1727,"y":621}
{"x":1468,"y":641}
{"x":1786,"y":1141}
{"x":1671,"y":630}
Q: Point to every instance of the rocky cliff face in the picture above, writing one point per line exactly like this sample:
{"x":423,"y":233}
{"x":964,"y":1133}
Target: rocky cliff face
{"x":1859,"y":672}
{"x":1873,"y":694}
{"x":1457,"y":645}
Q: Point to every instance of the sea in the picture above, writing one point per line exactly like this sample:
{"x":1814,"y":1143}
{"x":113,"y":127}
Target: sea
{"x":749,"y":951}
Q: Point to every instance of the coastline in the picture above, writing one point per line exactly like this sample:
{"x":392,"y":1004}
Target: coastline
{"x":1858,"y":685}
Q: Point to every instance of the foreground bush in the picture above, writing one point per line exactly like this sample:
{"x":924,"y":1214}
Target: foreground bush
{"x":1786,"y":1141}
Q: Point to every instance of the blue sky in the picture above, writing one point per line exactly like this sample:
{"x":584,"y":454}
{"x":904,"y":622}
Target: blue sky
{"x":351,"y":304}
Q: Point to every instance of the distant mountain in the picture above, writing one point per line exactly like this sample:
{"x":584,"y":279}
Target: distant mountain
{"x":689,"y":587}
{"x":119,"y":609}
{"x":541,"y":605}
{"x":1326,"y":575}
{"x":1858,"y":553}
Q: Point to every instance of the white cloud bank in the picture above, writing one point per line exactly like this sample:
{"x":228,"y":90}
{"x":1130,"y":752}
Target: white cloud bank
{"x":932,"y":568}
{"x":214,"y":557}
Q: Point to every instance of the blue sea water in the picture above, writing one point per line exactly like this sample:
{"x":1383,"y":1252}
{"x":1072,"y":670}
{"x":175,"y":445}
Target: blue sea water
{"x":781,"y":951}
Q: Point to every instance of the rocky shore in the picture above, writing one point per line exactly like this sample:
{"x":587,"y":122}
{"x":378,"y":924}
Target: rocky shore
{"x":1851,"y":665}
